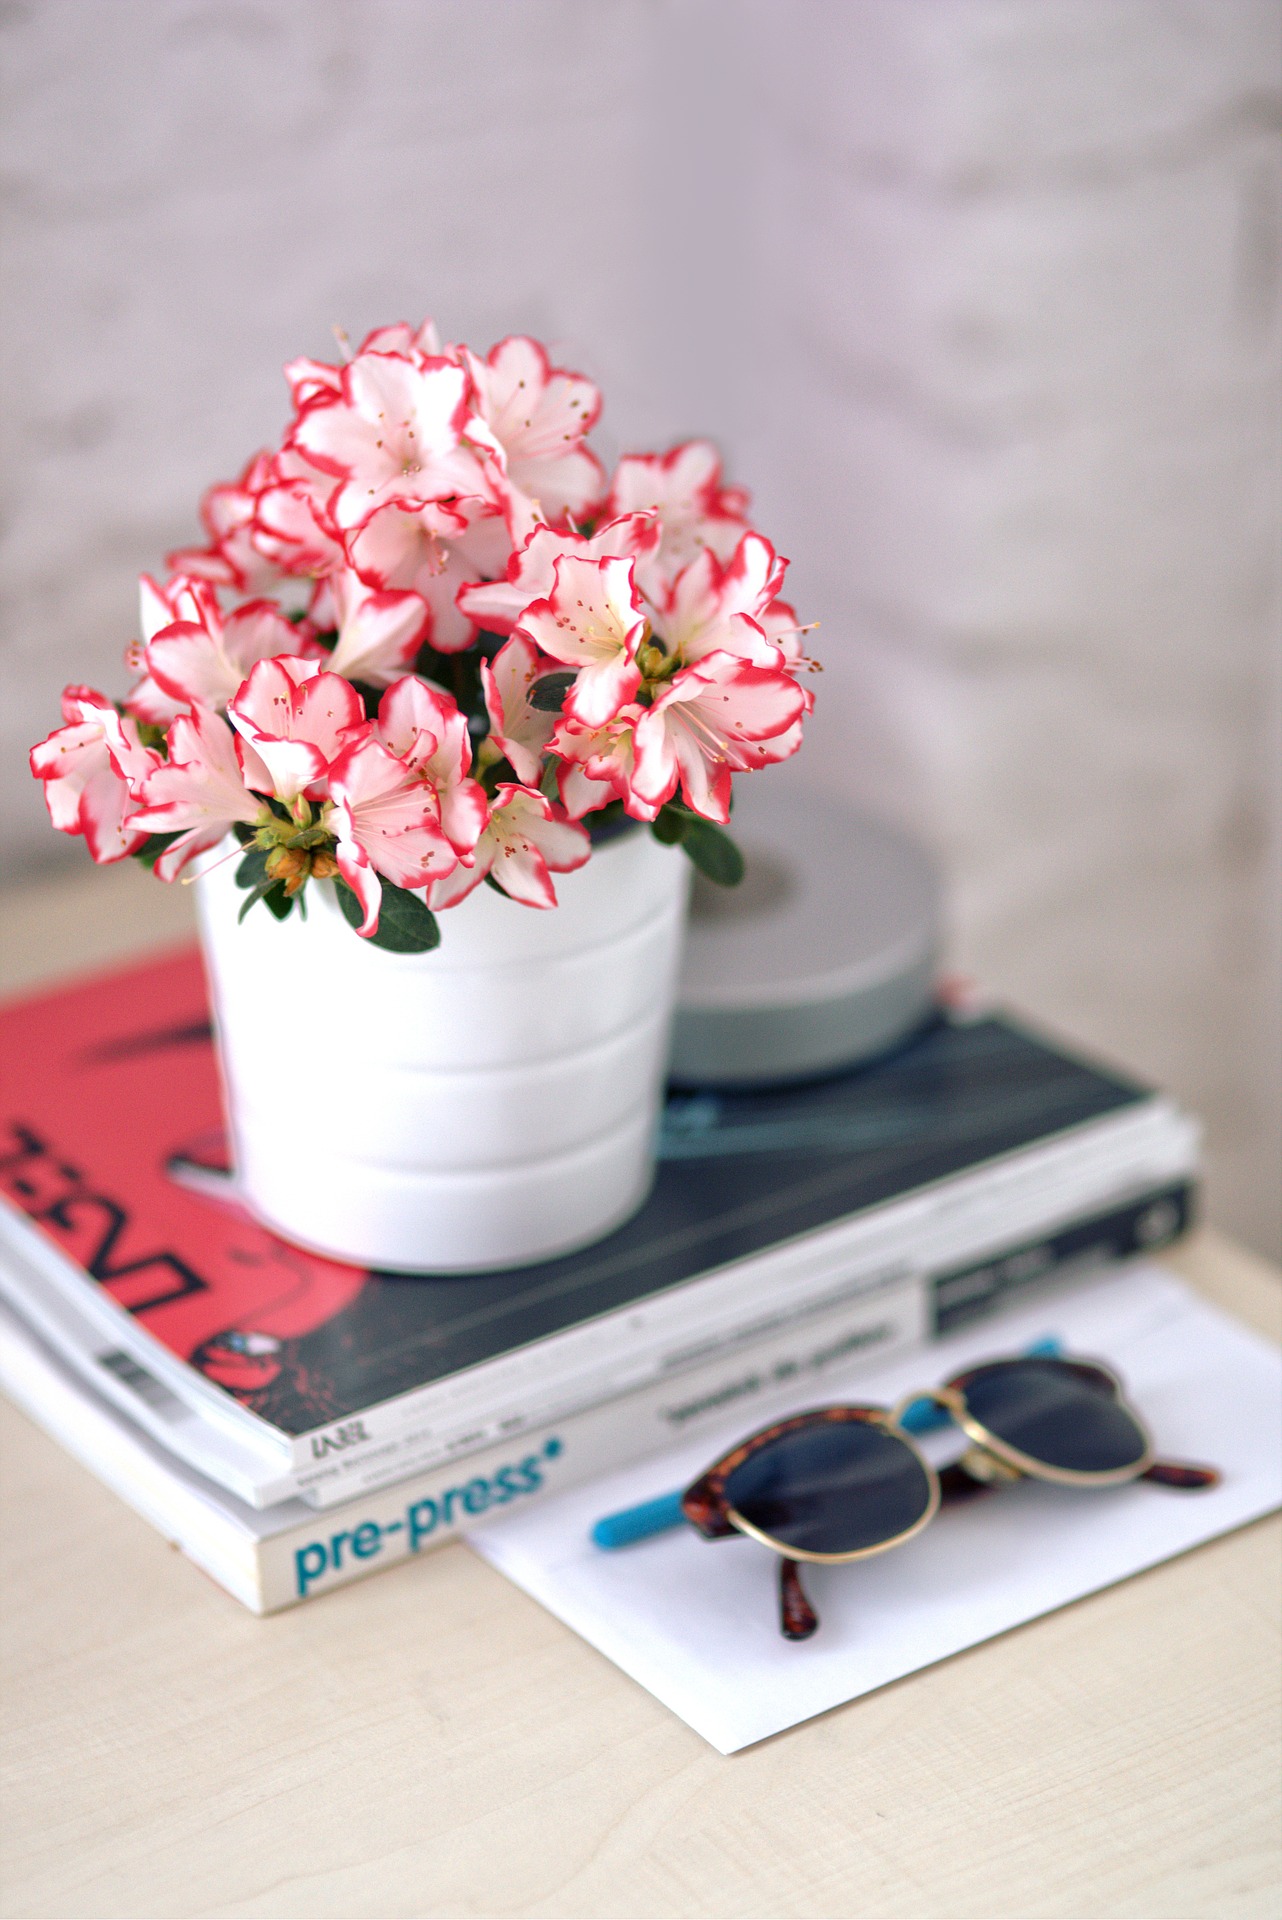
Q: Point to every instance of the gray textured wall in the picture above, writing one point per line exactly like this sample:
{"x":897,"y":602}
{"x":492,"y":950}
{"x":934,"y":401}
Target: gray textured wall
{"x":981,"y":299}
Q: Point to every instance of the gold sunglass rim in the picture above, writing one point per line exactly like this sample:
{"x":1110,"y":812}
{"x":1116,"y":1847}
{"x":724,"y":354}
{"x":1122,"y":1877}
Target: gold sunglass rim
{"x":883,"y":1419}
{"x":953,"y":1401}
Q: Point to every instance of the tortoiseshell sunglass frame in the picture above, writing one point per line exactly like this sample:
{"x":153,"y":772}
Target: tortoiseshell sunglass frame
{"x":987,"y":1461}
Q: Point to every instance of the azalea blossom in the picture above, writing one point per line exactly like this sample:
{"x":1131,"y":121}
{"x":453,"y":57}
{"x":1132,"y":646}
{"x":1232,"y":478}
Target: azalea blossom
{"x":531,"y":572}
{"x":525,"y":842}
{"x":232,"y":558}
{"x":310,"y":379}
{"x":421,"y":343}
{"x":393,"y":432}
{"x":206,"y":657}
{"x":430,"y":518}
{"x":292,"y":527}
{"x":202,"y":790}
{"x":91,"y":767}
{"x":434,"y":550}
{"x":379,"y":632}
{"x":538,"y":416}
{"x":159,"y":607}
{"x":712,"y":720}
{"x":520,"y":729}
{"x":779,"y":624}
{"x":387,"y":820}
{"x":425,"y":730}
{"x":296,"y":720}
{"x":598,"y":763}
{"x":592,"y":620}
{"x":713,"y":607}
{"x":695,"y":512}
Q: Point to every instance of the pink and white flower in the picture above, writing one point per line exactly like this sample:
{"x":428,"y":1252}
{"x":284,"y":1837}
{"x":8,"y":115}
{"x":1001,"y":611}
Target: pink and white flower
{"x":525,"y":842}
{"x":716,"y":608}
{"x":310,"y":380}
{"x":593,"y":620}
{"x":416,"y":343}
{"x":206,"y":657}
{"x":201,"y":791}
{"x":497,"y":605}
{"x":394,"y":433}
{"x":425,"y":730}
{"x":297,"y":720}
{"x":434,"y":551}
{"x":695,"y":512}
{"x":386,"y":819}
{"x":711,"y":721}
{"x":423,"y":500}
{"x":379,"y":633}
{"x":520,"y":729}
{"x":91,"y":768}
{"x":317,"y":379}
{"x":159,"y":607}
{"x":538,"y":416}
{"x":598,"y":764}
{"x":232,"y":558}
{"x":292,"y":527}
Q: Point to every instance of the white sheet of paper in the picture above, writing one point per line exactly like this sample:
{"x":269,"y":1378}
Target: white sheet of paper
{"x":696,"y":1622}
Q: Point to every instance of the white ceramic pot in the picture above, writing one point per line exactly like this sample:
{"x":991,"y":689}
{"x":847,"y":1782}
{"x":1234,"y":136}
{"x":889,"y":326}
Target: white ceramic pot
{"x":490,"y":1103}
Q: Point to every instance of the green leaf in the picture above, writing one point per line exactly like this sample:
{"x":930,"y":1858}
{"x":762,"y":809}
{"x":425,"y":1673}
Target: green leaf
{"x":670,"y":826}
{"x":252,"y":870}
{"x":152,"y":848}
{"x":405,"y":925}
{"x":714,"y":853}
{"x":274,"y":896}
{"x":548,"y":694}
{"x":277,"y":901}
{"x":349,"y":905}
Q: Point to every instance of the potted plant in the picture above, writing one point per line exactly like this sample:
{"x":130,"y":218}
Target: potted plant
{"x":434,"y":665}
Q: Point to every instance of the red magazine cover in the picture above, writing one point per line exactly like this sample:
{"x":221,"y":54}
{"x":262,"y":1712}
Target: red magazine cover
{"x":105,"y":1087}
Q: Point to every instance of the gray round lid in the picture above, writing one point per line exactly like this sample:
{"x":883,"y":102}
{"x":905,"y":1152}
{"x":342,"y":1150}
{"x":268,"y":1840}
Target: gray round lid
{"x":824,"y":955}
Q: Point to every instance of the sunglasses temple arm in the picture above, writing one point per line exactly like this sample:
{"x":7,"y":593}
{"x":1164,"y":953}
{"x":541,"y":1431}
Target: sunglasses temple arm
{"x":1180,"y":1474}
{"x":797,"y":1618}
{"x":638,"y":1523}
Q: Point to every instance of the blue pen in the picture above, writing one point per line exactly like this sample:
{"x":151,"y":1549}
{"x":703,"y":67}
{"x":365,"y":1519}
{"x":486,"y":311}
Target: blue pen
{"x":658,"y":1515}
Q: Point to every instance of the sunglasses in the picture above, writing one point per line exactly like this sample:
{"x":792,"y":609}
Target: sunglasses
{"x":843,"y":1483}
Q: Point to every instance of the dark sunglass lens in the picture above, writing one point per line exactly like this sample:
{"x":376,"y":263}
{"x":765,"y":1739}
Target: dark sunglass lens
{"x":1053,"y":1414}
{"x":835,"y":1487}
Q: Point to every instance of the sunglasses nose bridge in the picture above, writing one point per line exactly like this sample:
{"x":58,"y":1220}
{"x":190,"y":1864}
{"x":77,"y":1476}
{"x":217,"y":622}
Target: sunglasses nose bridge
{"x":947,"y":1399}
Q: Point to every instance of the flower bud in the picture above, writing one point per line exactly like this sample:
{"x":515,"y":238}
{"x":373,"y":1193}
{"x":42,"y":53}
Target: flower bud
{"x":289,"y":864}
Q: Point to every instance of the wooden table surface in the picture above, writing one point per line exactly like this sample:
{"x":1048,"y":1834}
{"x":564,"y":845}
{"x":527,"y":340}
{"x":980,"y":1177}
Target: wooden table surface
{"x":430,"y":1742}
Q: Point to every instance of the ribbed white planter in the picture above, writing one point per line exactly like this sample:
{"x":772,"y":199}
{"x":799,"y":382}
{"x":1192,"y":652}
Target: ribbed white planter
{"x":487,"y":1104}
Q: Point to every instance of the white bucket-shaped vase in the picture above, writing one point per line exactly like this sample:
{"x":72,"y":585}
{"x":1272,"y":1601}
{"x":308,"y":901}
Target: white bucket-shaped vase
{"x":489,"y":1103}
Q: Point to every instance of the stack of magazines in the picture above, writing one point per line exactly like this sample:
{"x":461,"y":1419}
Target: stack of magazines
{"x":293,"y":1423}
